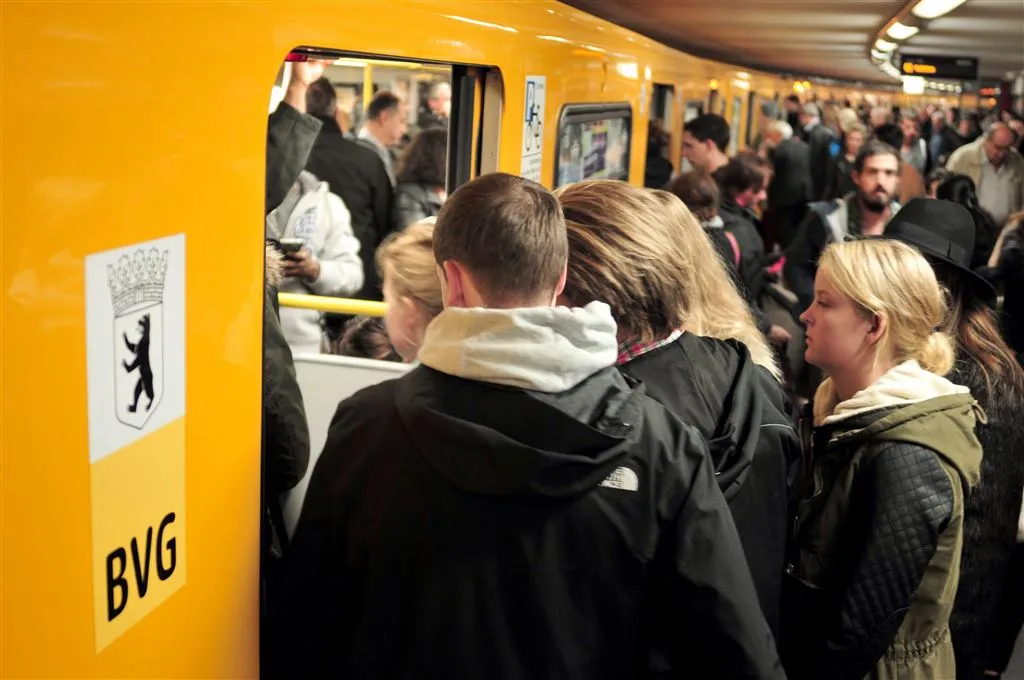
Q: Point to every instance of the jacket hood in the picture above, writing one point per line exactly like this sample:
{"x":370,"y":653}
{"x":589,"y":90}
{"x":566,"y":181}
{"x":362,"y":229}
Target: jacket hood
{"x":499,"y":441}
{"x":911,"y":405}
{"x":543,"y":349}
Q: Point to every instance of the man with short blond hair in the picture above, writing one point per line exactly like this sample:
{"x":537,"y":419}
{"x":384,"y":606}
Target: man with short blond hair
{"x":513,"y":507}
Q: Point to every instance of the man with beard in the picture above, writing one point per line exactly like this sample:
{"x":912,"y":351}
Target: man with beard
{"x":865,"y":212}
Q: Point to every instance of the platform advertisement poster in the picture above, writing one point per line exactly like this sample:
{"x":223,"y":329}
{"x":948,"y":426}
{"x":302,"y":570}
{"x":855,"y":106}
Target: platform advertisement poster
{"x":533,"y":128}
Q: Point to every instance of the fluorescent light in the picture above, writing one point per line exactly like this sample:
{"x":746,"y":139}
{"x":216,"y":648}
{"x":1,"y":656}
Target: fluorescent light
{"x":884,"y":45}
{"x":900,"y":31}
{"x":553,"y":38}
{"x":913,"y":85}
{"x":880,"y":56}
{"x":930,"y":9}
{"x":485,"y":24}
{"x":743,"y":74}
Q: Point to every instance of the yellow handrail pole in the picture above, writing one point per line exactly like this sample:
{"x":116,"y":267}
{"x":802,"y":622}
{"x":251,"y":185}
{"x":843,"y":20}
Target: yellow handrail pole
{"x":332,"y":304}
{"x":367,"y":85}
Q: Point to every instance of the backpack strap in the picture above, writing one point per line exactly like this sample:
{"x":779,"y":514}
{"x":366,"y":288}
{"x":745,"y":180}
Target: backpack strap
{"x":735,"y":247}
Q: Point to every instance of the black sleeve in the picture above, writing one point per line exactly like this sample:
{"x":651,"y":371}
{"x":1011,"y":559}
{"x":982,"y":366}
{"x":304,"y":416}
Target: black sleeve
{"x":383,"y":201}
{"x":308,"y":607}
{"x":802,"y":259}
{"x":713,"y":613}
{"x":290,"y":137}
{"x":901,"y":503}
{"x":285,"y":430}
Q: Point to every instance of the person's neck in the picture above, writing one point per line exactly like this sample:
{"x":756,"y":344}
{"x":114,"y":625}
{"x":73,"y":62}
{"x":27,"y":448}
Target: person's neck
{"x":374,"y":131}
{"x":848,"y":383}
{"x":716,"y":160}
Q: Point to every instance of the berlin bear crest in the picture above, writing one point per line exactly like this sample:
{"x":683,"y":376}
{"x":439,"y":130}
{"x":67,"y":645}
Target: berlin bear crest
{"x":136,"y":288}
{"x":141,"y":351}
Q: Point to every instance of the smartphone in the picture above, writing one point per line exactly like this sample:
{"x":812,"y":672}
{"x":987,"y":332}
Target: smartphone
{"x":290,"y":246}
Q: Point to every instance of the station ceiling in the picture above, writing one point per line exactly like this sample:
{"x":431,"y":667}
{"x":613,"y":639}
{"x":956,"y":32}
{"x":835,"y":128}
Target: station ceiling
{"x":819,"y":37}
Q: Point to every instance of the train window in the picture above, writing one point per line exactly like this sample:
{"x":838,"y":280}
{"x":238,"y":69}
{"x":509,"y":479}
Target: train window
{"x":662,"y":121}
{"x":694,"y":108}
{"x":751,"y":107}
{"x":593,"y":142}
{"x":734,"y":125}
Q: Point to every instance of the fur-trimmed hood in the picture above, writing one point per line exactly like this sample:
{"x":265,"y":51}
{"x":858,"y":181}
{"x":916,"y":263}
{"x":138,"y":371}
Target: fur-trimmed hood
{"x":274,"y":267}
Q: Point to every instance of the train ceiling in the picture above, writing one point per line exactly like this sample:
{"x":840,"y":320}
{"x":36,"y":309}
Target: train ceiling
{"x":820,"y":37}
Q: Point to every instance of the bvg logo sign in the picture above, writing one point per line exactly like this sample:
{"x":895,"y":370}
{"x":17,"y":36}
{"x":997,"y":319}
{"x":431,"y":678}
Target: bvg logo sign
{"x":135,"y":331}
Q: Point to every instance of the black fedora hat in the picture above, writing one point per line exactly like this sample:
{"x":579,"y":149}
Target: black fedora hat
{"x":944,"y":232}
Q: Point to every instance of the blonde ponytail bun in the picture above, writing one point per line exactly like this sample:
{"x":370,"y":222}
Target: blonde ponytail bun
{"x":937,"y":355}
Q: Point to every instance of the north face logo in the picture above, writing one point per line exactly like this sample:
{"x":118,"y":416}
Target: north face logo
{"x":622,"y":478}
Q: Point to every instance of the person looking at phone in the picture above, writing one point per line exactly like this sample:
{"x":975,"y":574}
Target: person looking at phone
{"x":313,"y":230}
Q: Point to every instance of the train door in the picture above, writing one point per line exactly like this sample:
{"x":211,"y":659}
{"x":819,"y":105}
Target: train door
{"x":432,"y":125}
{"x":662,"y":136}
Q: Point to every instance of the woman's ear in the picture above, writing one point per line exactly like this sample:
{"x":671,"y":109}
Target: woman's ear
{"x":878,"y":328}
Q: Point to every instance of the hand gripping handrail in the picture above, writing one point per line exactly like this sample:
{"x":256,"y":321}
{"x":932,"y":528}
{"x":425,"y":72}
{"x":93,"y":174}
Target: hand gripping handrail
{"x":323,"y":303}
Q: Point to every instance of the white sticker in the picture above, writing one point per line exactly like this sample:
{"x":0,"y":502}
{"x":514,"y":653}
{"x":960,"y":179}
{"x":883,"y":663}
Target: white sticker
{"x":533,"y":128}
{"x":135,"y":341}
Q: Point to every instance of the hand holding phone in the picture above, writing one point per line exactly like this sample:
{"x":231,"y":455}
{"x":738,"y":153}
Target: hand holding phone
{"x":290,"y":246}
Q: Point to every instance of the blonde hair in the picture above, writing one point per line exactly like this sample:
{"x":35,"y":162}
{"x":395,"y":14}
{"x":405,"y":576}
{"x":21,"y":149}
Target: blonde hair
{"x":407,"y":258}
{"x":644,"y":254}
{"x":893,"y":280}
{"x":848,"y":118}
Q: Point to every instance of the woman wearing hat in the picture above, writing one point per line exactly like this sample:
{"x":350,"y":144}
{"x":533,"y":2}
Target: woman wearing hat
{"x":875,"y":553}
{"x":944,"y":233}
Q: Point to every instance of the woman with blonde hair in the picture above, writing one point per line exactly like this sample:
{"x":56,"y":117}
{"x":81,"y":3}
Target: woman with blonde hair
{"x":687,"y":334}
{"x":875,"y":559}
{"x":412,"y":291}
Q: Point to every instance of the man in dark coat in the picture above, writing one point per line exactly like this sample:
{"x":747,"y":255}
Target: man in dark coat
{"x":513,"y":507}
{"x":819,"y":141}
{"x":790,"y":188}
{"x":356,"y":174}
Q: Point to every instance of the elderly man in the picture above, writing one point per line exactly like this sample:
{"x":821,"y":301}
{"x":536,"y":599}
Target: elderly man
{"x":997,"y":170}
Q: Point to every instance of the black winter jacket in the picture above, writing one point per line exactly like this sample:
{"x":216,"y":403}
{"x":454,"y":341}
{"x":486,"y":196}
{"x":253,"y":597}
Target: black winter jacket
{"x":457,"y":529}
{"x":285,"y":430}
{"x":737,"y":406}
{"x":990,"y":521}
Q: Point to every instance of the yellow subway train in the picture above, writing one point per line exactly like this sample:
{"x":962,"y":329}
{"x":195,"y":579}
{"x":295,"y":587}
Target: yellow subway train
{"x":134,"y":142}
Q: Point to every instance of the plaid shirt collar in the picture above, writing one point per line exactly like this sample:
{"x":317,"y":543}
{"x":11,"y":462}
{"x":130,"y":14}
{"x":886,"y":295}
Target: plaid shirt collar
{"x":630,"y":350}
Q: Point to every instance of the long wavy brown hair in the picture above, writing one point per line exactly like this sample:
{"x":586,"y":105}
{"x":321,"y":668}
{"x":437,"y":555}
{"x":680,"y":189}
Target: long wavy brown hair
{"x":643,"y":253}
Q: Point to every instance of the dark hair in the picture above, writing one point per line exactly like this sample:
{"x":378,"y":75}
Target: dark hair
{"x":698,"y":192}
{"x":509,"y":232}
{"x":425,"y":160}
{"x":875,"y":148}
{"x":381,"y":102}
{"x":365,"y":337}
{"x":710,"y":126}
{"x":960,"y":189}
{"x":974,"y":325}
{"x":744,"y":171}
{"x":890,"y":134}
{"x":321,"y":99}
{"x":793,"y":98}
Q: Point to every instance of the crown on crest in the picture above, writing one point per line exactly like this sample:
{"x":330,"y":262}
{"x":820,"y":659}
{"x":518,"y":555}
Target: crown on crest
{"x":138,"y":279}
